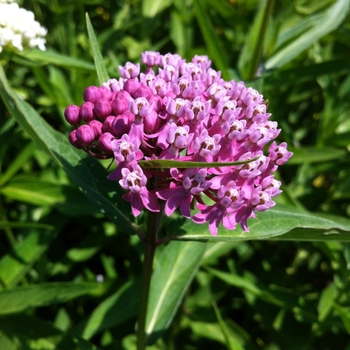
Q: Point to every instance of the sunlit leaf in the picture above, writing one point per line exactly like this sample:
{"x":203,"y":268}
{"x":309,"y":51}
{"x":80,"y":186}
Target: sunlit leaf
{"x":281,"y":223}
{"x":305,"y":33}
{"x":174,"y":270}
{"x":99,"y":63}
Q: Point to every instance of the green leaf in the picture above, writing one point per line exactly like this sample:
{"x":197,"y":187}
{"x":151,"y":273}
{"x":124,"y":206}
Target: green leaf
{"x":98,"y":59}
{"x":19,"y":261}
{"x":87,"y":173}
{"x":315,"y":155}
{"x":216,"y":51}
{"x":23,"y":156}
{"x":285,"y":77}
{"x":45,"y":57}
{"x":37,"y":191}
{"x":278,"y":223}
{"x":250,"y":56}
{"x":305,"y":33}
{"x":23,"y":297}
{"x":175,"y":267}
{"x":326,"y":301}
{"x":230,"y":342}
{"x":167,"y":164}
{"x":150,"y":8}
{"x":113,"y":311}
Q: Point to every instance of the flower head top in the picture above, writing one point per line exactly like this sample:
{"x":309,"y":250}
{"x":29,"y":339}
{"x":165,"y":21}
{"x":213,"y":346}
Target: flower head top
{"x":184,"y":112}
{"x":18,"y":28}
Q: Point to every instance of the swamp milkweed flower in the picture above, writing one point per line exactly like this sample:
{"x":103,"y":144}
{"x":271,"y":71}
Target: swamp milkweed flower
{"x":185,"y":112}
{"x":18,"y":28}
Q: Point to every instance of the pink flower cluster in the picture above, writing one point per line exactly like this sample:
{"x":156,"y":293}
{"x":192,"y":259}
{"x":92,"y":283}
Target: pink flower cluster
{"x":186,"y":112}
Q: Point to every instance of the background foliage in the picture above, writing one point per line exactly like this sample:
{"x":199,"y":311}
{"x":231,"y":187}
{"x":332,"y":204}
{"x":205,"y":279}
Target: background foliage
{"x":70,"y":274}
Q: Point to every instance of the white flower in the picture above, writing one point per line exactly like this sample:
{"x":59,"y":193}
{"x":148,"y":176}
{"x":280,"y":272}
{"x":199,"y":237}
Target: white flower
{"x":18,"y":28}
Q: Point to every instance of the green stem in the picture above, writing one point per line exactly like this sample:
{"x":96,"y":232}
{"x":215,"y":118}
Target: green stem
{"x":150,"y":248}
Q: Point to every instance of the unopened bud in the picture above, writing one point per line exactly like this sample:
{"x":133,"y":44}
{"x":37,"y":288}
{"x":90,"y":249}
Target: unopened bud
{"x":72,"y":115}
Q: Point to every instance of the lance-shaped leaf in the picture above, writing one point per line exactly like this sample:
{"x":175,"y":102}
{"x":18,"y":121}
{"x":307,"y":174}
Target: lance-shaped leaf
{"x":305,"y":33}
{"x":250,"y":56}
{"x":113,"y":311}
{"x":23,"y":297}
{"x":99,"y":63}
{"x":167,"y":164}
{"x":174,"y":270}
{"x":19,"y":261}
{"x":279,"y":223}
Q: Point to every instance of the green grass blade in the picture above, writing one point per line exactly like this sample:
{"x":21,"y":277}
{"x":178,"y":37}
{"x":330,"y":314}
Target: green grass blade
{"x":101,"y":69}
{"x":250,"y":56}
{"x":304,"y":34}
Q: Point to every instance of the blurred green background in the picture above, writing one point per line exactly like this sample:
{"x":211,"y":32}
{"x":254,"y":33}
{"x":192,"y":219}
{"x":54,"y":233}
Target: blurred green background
{"x":56,"y":248}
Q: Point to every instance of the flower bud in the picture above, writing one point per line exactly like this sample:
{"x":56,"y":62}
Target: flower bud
{"x":105,"y":93}
{"x":96,"y":126}
{"x":143,"y":91}
{"x":85,"y":135}
{"x":87,"y":111}
{"x":120,"y":103}
{"x":104,"y":142}
{"x":107,"y":124}
{"x":131,"y":85}
{"x":120,"y":125}
{"x":102,"y":108}
{"x":92,"y":94}
{"x":73,"y":139}
{"x":72,"y":115}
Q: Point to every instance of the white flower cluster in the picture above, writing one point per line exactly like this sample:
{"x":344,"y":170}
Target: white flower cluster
{"x":18,"y":27}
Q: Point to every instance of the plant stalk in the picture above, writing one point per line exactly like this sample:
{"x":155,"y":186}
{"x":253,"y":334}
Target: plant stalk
{"x":150,"y":248}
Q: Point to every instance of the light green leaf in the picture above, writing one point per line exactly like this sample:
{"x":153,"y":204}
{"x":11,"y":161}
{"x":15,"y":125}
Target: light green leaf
{"x":326,"y":301}
{"x":174,"y":270}
{"x":87,"y":173}
{"x":23,"y":297}
{"x":99,"y":63}
{"x":305,"y":33}
{"x":150,"y":8}
{"x":113,"y":311}
{"x":167,"y":164}
{"x":45,"y":57}
{"x":216,"y":51}
{"x":278,"y":223}
{"x":315,"y":155}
